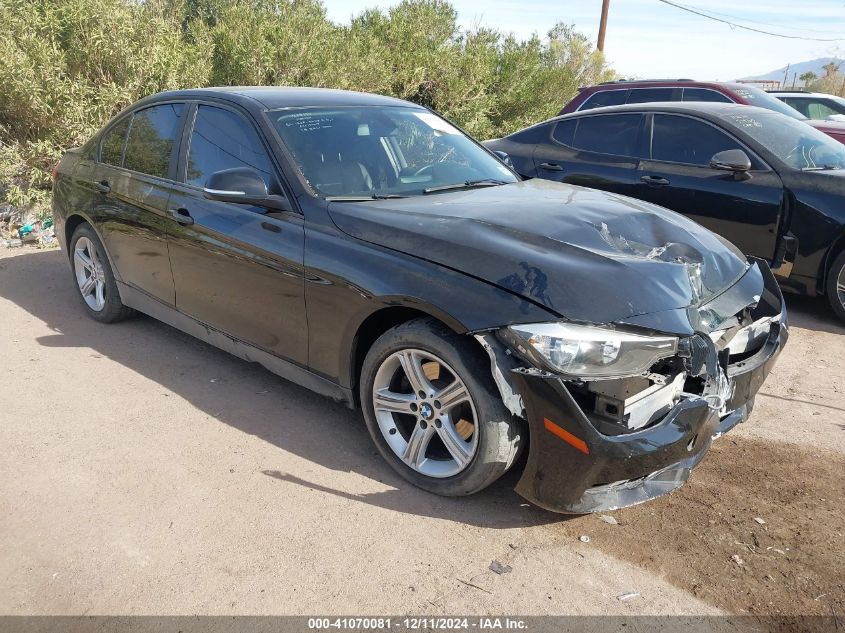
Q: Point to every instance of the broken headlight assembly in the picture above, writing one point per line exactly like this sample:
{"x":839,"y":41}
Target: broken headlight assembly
{"x":588,"y":352}
{"x":622,"y":380}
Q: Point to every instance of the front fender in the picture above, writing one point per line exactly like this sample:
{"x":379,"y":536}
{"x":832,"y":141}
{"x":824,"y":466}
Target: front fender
{"x":348,"y":280}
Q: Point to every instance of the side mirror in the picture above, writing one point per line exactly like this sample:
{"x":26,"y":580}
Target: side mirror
{"x":242,"y":185}
{"x":734,"y":160}
{"x":503,"y":156}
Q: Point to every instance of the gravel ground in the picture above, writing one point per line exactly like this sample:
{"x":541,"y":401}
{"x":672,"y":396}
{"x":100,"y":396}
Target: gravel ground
{"x":145,"y":472}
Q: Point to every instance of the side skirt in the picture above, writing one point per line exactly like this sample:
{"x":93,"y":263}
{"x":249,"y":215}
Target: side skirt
{"x":289,"y":371}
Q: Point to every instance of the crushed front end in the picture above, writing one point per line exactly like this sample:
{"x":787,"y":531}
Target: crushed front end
{"x":614,"y":435}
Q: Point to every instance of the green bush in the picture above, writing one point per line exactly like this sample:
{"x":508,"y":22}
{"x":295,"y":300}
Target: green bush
{"x":70,"y":65}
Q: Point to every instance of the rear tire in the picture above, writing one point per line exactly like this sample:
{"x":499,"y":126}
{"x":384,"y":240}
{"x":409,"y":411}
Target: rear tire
{"x":836,"y":286}
{"x":93,"y":277}
{"x":433,"y":411}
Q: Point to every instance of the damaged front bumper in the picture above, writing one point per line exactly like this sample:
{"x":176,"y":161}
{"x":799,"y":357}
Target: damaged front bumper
{"x":575,"y":465}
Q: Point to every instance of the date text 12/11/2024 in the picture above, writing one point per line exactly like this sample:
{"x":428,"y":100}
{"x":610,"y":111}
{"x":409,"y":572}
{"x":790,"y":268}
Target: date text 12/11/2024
{"x":415,"y":624}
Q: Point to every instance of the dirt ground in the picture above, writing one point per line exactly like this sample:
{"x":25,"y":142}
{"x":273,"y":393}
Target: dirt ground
{"x":145,"y":472}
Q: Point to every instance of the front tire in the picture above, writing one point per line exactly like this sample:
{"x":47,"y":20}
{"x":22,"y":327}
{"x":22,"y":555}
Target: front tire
{"x":433,"y":411}
{"x":836,"y":286}
{"x":94,"y":278}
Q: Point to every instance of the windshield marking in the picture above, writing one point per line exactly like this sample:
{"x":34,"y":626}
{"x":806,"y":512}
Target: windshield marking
{"x":349,"y":152}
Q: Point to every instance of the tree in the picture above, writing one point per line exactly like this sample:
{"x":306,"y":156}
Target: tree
{"x":832,"y":82}
{"x":70,"y":65}
{"x":830,"y":69}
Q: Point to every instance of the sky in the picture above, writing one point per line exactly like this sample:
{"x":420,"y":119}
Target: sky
{"x":647,"y":38}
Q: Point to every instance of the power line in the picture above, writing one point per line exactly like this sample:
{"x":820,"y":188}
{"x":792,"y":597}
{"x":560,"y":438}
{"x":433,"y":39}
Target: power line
{"x":748,"y":28}
{"x":782,"y":26}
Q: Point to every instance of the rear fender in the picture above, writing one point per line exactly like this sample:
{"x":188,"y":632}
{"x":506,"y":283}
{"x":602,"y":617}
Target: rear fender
{"x":75,"y":219}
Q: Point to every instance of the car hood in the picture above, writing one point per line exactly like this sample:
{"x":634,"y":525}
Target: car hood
{"x":829,"y":127}
{"x":584,"y":254}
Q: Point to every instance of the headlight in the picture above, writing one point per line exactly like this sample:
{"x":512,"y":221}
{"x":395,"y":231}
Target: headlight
{"x":589,"y":352}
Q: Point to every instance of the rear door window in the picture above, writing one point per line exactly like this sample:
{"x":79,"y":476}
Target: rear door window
{"x":152,"y":137}
{"x":604,"y":98}
{"x":222,"y":139}
{"x":616,"y":134}
{"x":802,"y":105}
{"x":704,"y":94}
{"x":111,"y":151}
{"x":681,"y":139}
{"x":649,"y":95}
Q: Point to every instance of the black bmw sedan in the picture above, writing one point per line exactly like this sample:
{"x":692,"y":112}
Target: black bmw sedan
{"x":364,"y":247}
{"x":770,"y":184}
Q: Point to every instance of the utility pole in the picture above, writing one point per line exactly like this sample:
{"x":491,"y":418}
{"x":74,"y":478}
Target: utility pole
{"x":605,"y":5}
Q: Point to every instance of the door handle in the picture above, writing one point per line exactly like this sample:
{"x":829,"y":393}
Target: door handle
{"x":551,"y":166}
{"x":103,"y":186}
{"x":654,"y":181}
{"x":273,"y":228}
{"x":181,"y":216}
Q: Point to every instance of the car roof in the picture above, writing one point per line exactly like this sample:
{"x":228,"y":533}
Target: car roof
{"x":799,"y":93}
{"x":640,"y":81}
{"x":707,"y":109}
{"x":664,"y":83}
{"x":712,"y":108}
{"x":272,"y":97}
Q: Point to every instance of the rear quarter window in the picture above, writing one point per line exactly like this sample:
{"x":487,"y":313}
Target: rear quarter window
{"x":604,"y":98}
{"x":564,"y":131}
{"x":530,"y":136}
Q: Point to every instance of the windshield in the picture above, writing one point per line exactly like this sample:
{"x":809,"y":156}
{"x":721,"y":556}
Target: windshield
{"x":367,"y":152}
{"x":762,"y":99}
{"x":797,"y":144}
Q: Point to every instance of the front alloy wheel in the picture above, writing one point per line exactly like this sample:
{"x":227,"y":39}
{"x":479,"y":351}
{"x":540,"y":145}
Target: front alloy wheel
{"x":840,"y":286}
{"x":425,"y":413}
{"x":433,"y":411}
{"x":836,"y":286}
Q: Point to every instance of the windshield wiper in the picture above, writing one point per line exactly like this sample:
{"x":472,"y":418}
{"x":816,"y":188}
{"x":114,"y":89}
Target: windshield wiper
{"x":467,"y":184}
{"x":821,"y":168}
{"x":375,"y":196}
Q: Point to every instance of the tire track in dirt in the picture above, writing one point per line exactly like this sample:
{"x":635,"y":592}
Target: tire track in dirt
{"x":704,"y":538}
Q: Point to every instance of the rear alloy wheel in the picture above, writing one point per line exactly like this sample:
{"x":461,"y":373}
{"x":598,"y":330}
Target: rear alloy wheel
{"x":836,"y":286}
{"x":94,"y":277}
{"x":90,"y":276}
{"x":433,"y":411}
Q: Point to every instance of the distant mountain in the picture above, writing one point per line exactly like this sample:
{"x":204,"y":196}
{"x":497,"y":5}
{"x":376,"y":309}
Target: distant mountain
{"x":814,"y":65}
